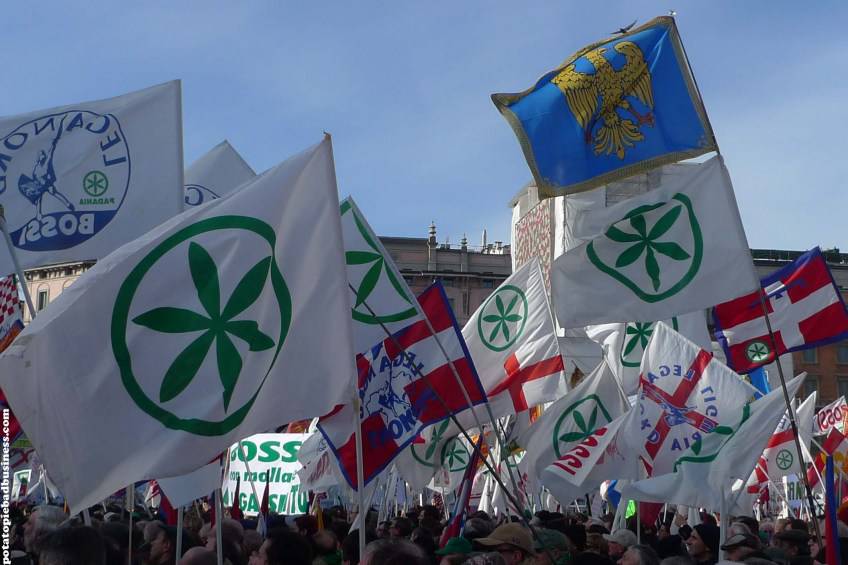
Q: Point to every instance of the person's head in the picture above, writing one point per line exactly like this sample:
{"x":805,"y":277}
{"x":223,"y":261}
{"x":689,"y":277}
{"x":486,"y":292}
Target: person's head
{"x":595,"y":543}
{"x":511,"y":540}
{"x":477,"y":527}
{"x":284,"y":547}
{"x":703,"y":542}
{"x":455,"y":547}
{"x":42,"y":521}
{"x":306,"y":525}
{"x":383,"y":529}
{"x":116,"y":539}
{"x":619,"y":541}
{"x":639,"y":555}
{"x":251,"y":542}
{"x":198,"y":556}
{"x":491,"y":558}
{"x":752,"y":523}
{"x":552,"y":547}
{"x":676,"y":560}
{"x":793,"y":541}
{"x":78,"y":545}
{"x":671,"y":546}
{"x":400,"y":528}
{"x":397,"y":551}
{"x":739,"y":546}
{"x":325,"y":542}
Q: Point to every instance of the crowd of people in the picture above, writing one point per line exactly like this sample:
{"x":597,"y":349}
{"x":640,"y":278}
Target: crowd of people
{"x":46,"y":535}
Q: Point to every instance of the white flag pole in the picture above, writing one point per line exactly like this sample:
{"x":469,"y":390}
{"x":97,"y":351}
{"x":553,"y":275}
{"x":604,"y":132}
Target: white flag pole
{"x":179,"y":533}
{"x":219,"y":518}
{"x":249,"y":474}
{"x":18,"y":271}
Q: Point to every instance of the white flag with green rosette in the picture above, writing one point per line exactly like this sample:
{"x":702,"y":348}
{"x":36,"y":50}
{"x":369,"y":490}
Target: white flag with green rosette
{"x":592,"y":404}
{"x":228,"y":320}
{"x":676,"y":249}
{"x":625,"y":343}
{"x":215,"y":174}
{"x":379,"y":295}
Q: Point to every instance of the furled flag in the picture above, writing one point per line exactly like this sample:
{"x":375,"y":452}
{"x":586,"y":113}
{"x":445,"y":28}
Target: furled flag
{"x":592,"y":404}
{"x":403,"y":380}
{"x":805,"y":308}
{"x":832,"y":416}
{"x":79,"y":181}
{"x":264,"y":512}
{"x":379,"y":294}
{"x":514,"y":345}
{"x":209,"y":323}
{"x":215,"y":175}
{"x":456,"y":523}
{"x":700,"y":475}
{"x":613,"y":109}
{"x":834,"y":444}
{"x":156,"y":496}
{"x":780,"y":458}
{"x":831,"y":528}
{"x":235,"y":508}
{"x":673,"y":250}
{"x":320,"y":469}
{"x":624,"y":343}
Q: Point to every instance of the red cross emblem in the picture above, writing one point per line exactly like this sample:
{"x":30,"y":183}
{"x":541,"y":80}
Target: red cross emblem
{"x":516,"y":376}
{"x":674,"y":407}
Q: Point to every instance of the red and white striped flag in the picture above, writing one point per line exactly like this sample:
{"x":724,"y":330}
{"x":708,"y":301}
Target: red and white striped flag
{"x":397,"y":402}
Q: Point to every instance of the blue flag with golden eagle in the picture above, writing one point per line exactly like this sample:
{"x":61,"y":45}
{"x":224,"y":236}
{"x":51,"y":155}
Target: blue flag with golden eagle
{"x":614,"y":109}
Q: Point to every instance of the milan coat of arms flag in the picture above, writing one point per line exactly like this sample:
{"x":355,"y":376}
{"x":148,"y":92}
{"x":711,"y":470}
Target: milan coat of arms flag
{"x":400,"y":389}
{"x":79,"y":181}
{"x":805,"y":307}
{"x":11,"y":322}
{"x":615,"y":108}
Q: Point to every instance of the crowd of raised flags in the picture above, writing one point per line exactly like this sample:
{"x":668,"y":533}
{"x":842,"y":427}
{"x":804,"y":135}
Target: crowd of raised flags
{"x":225,"y":304}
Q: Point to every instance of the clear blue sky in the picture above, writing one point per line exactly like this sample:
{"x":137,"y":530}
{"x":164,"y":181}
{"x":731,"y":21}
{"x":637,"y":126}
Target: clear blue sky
{"x":404,"y":88}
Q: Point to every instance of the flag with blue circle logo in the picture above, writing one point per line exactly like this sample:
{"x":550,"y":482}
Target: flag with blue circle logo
{"x":615,"y":108}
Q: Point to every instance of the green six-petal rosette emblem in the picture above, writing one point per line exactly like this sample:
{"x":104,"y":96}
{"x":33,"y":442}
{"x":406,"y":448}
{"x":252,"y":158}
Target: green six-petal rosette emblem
{"x":655,"y":251}
{"x":502,"y":318}
{"x":636,"y":337}
{"x":195,"y":355}
{"x":578,"y":421}
{"x":381,"y":295}
{"x":455,"y":456}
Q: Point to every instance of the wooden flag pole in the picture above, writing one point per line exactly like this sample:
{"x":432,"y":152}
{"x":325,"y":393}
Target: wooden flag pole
{"x":131,"y":504}
{"x":18,"y":271}
{"x":249,"y":474}
{"x":790,"y":410}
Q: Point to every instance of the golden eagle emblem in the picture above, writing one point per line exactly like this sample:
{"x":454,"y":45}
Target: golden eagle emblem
{"x":597,"y":97}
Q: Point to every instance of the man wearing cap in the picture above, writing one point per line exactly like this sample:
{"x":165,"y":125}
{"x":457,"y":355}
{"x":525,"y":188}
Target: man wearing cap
{"x":512,"y":541}
{"x":618,"y":542}
{"x":455,"y":550}
{"x":742,"y":547}
{"x":796,"y":544}
{"x":703,"y":544}
{"x":552,"y":547}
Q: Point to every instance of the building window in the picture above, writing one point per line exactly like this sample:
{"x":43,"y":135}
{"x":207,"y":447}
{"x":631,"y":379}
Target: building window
{"x":447,"y":281}
{"x":811,"y":385}
{"x":43,"y":299}
{"x":488,"y":283}
{"x":842,"y":353}
{"x":409,"y":280}
{"x":842,"y":386}
{"x":810,"y":356}
{"x":452,"y":303}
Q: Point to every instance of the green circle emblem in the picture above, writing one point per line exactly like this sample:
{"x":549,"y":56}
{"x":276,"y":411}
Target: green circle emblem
{"x":455,"y":456}
{"x":209,"y":333}
{"x":578,"y":421}
{"x":427,"y":458}
{"x":95,"y":183}
{"x":502,"y":318}
{"x":757,"y":351}
{"x":636,"y":336}
{"x":784,"y":459}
